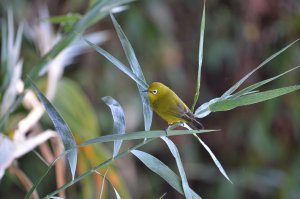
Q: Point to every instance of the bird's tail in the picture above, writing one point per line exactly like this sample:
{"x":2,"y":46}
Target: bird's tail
{"x":193,"y":122}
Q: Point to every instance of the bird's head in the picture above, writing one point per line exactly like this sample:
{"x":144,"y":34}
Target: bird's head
{"x":156,"y":90}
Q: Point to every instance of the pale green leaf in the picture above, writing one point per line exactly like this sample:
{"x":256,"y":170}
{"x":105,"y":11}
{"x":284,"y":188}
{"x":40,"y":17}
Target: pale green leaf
{"x":200,"y":59}
{"x":119,"y":65}
{"x":62,"y":129}
{"x":237,"y":85}
{"x":162,"y":170}
{"x":141,"y":135}
{"x":119,"y":121}
{"x":229,"y":104}
{"x":175,"y":153}
{"x":259,"y":84}
{"x":135,"y":67}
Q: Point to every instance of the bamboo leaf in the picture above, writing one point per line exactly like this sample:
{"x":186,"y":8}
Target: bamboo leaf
{"x":214,"y":158}
{"x":200,"y":59}
{"x":140,"y":135}
{"x":118,"y":64}
{"x":162,"y":170}
{"x":175,"y":153}
{"x":119,"y":121}
{"x":102,"y":184}
{"x":135,"y":67}
{"x":229,"y":104}
{"x":203,"y":110}
{"x":234,"y":87}
{"x":62,"y":129}
{"x":259,"y":84}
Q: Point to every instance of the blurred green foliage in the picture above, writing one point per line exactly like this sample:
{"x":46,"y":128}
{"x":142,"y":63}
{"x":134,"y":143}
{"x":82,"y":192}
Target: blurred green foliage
{"x":258,"y":145}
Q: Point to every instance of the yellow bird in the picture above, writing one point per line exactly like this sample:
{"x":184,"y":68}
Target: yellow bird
{"x":169,"y":106}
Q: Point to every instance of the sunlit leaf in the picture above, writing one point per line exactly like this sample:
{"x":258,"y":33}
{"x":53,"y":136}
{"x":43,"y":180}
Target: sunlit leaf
{"x":119,"y":120}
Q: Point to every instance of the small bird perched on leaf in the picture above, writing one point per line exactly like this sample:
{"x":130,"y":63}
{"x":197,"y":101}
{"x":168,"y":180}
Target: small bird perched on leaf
{"x":170,"y":107}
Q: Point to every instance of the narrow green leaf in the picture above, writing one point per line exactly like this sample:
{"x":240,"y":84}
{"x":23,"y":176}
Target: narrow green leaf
{"x":119,"y":120}
{"x":162,"y":170}
{"x":203,"y":110}
{"x":259,"y":84}
{"x":61,"y":128}
{"x":118,"y":64}
{"x":120,"y":155}
{"x":102,"y":185}
{"x":229,"y":104}
{"x":214,"y":158}
{"x":105,"y":163}
{"x":234,"y":87}
{"x":175,"y":153}
{"x":105,"y":178}
{"x":91,"y":171}
{"x":140,"y":135}
{"x":200,"y":59}
{"x":135,"y":67}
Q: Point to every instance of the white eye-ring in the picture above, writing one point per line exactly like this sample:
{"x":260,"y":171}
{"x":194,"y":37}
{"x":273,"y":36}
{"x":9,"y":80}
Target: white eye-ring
{"x":154,"y":92}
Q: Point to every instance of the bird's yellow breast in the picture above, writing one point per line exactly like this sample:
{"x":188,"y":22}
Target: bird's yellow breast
{"x":166,"y":103}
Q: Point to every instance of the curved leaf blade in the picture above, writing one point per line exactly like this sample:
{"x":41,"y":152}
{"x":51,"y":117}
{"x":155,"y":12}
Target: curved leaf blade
{"x":175,"y":153}
{"x":235,"y":86}
{"x":259,"y":84}
{"x":119,"y":120}
{"x":136,"y":68}
{"x":61,"y":127}
{"x":118,"y":64}
{"x":200,"y":59}
{"x":162,"y":170}
{"x":214,"y":158}
{"x":229,"y":104}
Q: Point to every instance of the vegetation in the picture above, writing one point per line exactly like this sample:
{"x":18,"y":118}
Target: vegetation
{"x":256,"y":151}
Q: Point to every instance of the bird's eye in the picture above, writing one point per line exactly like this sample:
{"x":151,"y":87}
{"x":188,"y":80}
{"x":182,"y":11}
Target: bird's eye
{"x":154,"y":92}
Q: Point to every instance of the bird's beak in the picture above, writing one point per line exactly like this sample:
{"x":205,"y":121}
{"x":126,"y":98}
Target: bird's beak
{"x":145,"y":91}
